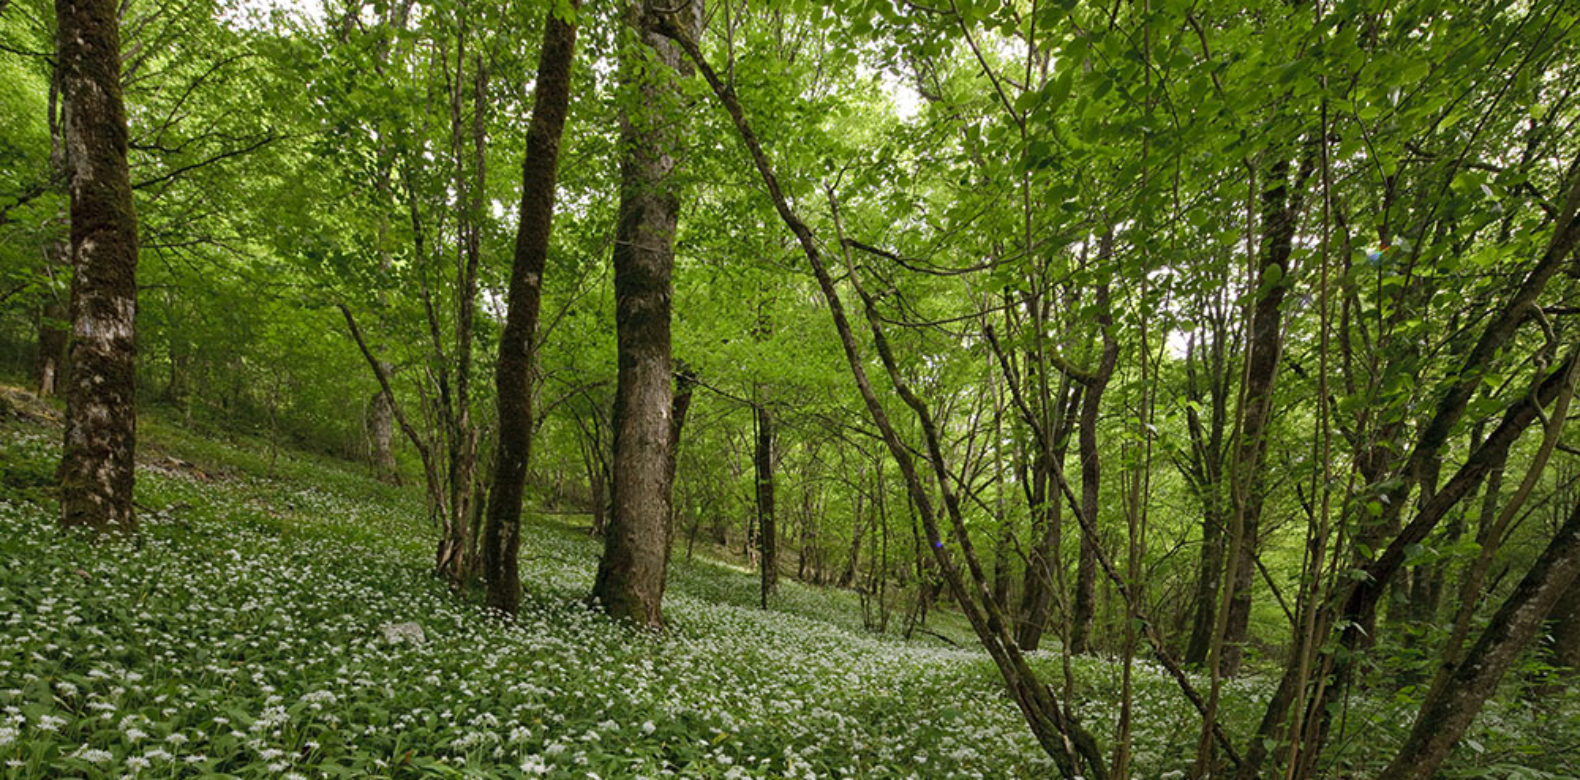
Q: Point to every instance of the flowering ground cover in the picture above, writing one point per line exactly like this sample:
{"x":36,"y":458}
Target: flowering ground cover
{"x":239,"y":635}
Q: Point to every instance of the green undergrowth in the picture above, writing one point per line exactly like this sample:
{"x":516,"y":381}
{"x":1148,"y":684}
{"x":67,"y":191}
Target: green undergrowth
{"x":239,"y":635}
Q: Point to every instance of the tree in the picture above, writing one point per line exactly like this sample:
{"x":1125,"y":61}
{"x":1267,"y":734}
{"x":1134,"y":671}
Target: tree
{"x":767,"y":519}
{"x":97,"y":469}
{"x":1445,"y":716}
{"x":631,"y":574}
{"x":513,"y":374}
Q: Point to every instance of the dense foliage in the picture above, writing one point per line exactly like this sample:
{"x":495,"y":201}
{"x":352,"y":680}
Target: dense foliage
{"x":1208,"y":364}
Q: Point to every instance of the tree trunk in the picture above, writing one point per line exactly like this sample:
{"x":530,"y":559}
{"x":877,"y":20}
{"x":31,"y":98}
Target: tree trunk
{"x":1564,"y":650}
{"x":1047,"y":513}
{"x":53,"y":327}
{"x":685,"y":386}
{"x":1279,"y":209}
{"x":455,"y":559}
{"x":1206,"y":472}
{"x":763,"y":461}
{"x":1209,"y":574}
{"x":381,"y":431}
{"x":598,"y":487}
{"x":1091,"y":470}
{"x":630,"y":583}
{"x":502,"y":530}
{"x":1445,"y":717}
{"x":96,"y":469}
{"x":847,"y":577}
{"x":49,"y":363}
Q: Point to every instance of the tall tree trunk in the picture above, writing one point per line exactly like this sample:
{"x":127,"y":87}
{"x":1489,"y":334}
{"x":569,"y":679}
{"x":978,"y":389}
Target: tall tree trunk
{"x":1047,"y":513}
{"x":630,"y":583}
{"x":96,"y":469}
{"x":455,"y":560}
{"x":598,"y":486}
{"x":1091,"y":469}
{"x":1446,"y":716}
{"x":1004,"y":548}
{"x":513,"y":375}
{"x":1206,"y":474}
{"x":1279,"y":209}
{"x":763,"y":461}
{"x":53,"y":328}
{"x":596,"y":462}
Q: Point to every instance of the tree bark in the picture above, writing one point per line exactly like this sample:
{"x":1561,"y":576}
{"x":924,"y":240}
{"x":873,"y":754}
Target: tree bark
{"x":96,"y":469}
{"x":513,"y":375}
{"x":1091,"y":469}
{"x":1564,"y":650}
{"x":53,"y":327}
{"x":454,"y":558}
{"x":1445,"y":717}
{"x":381,"y":430}
{"x":630,"y":582}
{"x":1205,"y":474}
{"x":680,"y":407}
{"x":1280,"y":206}
{"x":1047,"y":513}
{"x":49,"y":363}
{"x":767,"y":535}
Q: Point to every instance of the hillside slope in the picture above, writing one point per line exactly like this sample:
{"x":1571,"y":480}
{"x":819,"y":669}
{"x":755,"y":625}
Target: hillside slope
{"x":243,"y":634}
{"x":240,"y":635}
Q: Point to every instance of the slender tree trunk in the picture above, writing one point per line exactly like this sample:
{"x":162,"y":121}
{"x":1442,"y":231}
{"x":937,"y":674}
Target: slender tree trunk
{"x":680,"y":407}
{"x":596,"y":464}
{"x":848,"y":577}
{"x":455,"y":559}
{"x":381,"y":430}
{"x":513,"y":375}
{"x":598,"y":487}
{"x":1280,"y":206}
{"x":96,"y":469}
{"x":1091,"y":470}
{"x":1048,"y":518}
{"x":53,"y":333}
{"x":52,"y":340}
{"x":1003,"y":549}
{"x":1446,"y":716}
{"x":763,"y":461}
{"x":1207,"y":463}
{"x":53,"y":327}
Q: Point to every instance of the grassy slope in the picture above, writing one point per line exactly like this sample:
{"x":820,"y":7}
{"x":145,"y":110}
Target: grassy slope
{"x":239,"y":636}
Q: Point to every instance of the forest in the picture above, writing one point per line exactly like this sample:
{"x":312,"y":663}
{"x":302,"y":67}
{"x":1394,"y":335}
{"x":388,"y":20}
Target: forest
{"x":1092,"y":389}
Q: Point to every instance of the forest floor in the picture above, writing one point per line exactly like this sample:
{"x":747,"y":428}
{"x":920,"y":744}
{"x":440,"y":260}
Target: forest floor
{"x":242,"y":634}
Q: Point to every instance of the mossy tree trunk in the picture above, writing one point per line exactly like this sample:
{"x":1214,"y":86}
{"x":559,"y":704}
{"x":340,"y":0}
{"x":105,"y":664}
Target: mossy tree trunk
{"x":513,"y":374}
{"x":96,"y":469}
{"x":631,"y":573}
